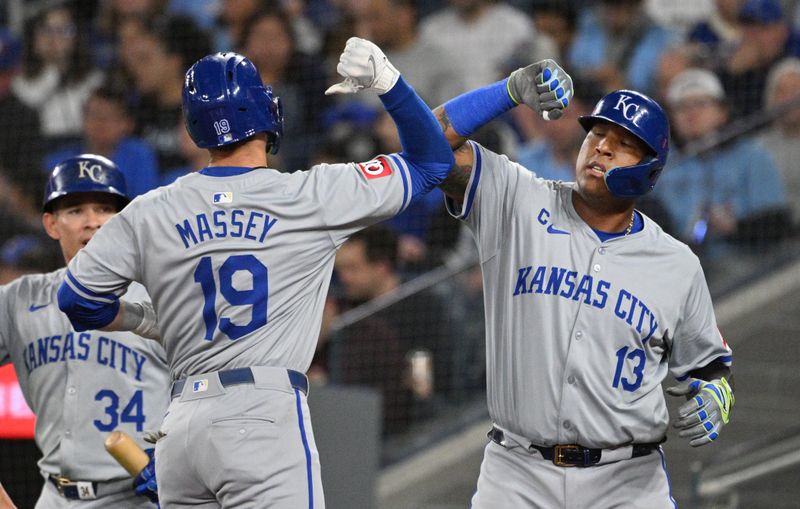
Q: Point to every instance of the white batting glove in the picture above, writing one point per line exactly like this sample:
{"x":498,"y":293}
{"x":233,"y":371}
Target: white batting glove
{"x":363,"y":65}
{"x":543,"y":86}
{"x":702,"y":417}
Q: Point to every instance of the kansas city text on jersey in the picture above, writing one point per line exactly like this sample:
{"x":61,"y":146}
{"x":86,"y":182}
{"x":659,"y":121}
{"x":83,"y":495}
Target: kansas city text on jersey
{"x":223,"y":223}
{"x":83,"y":347}
{"x":569,"y":284}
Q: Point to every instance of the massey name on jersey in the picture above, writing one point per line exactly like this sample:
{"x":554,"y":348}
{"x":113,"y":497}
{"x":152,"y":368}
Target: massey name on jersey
{"x":223,"y":223}
{"x":83,"y":347}
{"x":569,"y":284}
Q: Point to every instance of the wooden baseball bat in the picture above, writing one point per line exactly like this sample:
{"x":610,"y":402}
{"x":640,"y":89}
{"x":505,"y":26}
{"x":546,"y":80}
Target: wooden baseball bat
{"x":127,"y":452}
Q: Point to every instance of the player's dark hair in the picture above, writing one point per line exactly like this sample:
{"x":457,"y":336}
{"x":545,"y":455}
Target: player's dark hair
{"x":380,"y":243}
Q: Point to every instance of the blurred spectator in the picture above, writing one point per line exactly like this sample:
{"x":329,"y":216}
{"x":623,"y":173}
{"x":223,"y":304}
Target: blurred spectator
{"x":112,"y":16}
{"x":234,"y":15}
{"x":28,"y":254}
{"x":107,"y":131}
{"x":718,"y":36}
{"x":617,"y":46}
{"x":480,"y":38}
{"x":57,"y":75}
{"x":204,"y":12}
{"x":392,"y":25}
{"x":731,"y":193}
{"x":348,"y":134}
{"x":558,"y":20}
{"x":766,"y":38}
{"x":782,"y":139}
{"x":159,"y":59}
{"x":376,"y":350}
{"x":297,"y":79}
{"x":196,"y":157}
{"x":20,"y":147}
{"x":678,"y":15}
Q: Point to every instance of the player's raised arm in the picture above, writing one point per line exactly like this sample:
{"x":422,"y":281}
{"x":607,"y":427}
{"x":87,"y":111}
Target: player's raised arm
{"x":364,"y":66}
{"x":543,"y":86}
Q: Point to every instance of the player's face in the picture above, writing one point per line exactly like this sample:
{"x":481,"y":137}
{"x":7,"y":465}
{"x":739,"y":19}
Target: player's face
{"x":605,"y":147}
{"x":76,"y":219}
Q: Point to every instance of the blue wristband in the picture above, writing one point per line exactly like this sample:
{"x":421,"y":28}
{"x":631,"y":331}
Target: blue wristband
{"x":471,"y":111}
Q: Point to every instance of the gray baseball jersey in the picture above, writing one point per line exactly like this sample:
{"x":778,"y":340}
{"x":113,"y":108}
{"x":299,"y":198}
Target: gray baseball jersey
{"x":238,"y":260}
{"x":81,"y":386}
{"x":580,"y":333}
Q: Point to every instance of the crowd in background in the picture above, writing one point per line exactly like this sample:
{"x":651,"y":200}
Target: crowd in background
{"x":105,"y":76}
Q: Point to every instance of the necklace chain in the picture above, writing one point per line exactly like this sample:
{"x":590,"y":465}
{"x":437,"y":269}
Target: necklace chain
{"x":630,"y":224}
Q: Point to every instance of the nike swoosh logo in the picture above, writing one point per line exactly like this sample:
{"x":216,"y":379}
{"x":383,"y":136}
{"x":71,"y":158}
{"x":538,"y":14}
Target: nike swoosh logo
{"x":35,"y":307}
{"x":554,"y":230}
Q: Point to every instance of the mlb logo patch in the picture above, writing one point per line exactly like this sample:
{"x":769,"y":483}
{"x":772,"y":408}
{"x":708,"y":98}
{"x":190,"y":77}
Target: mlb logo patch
{"x":200,"y":385}
{"x":376,"y":168}
{"x":226,"y":197}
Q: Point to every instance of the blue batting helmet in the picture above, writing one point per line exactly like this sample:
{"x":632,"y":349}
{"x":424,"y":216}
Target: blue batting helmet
{"x":224,"y":101}
{"x":645,"y":119}
{"x":86,"y":173}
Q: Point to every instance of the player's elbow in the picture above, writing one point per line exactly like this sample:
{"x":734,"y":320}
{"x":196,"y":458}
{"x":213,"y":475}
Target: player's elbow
{"x":85,"y":314}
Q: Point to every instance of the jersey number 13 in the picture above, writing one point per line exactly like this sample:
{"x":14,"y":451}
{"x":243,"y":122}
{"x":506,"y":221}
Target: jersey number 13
{"x":255,"y":297}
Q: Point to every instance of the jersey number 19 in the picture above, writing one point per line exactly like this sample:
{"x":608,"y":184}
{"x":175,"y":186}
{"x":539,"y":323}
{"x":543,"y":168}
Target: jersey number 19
{"x":256,"y":296}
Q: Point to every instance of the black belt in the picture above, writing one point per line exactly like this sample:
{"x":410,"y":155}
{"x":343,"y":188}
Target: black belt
{"x":245,"y":376}
{"x":574,"y":455}
{"x":74,"y":490}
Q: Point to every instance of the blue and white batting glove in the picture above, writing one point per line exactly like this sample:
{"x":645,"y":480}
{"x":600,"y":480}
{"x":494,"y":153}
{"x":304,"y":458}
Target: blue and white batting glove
{"x":702,"y":417}
{"x":145,"y":481}
{"x":543,"y":86}
{"x":363,"y":65}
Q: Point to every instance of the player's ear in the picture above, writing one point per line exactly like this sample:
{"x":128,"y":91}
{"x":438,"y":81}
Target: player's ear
{"x":49,"y":223}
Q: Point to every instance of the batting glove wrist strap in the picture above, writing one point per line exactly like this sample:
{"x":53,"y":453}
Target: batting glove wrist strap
{"x":363,"y":65}
{"x":543,"y":86}
{"x":708,"y":409}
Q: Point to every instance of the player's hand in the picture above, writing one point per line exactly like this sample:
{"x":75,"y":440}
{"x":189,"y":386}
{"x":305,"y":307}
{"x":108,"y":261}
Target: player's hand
{"x":543,"y":86}
{"x":363,"y":65}
{"x":145,"y":481}
{"x":702,"y":417}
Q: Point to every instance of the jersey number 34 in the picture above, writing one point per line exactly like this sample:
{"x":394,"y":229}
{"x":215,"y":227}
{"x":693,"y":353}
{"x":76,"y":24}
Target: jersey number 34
{"x":255,"y":297}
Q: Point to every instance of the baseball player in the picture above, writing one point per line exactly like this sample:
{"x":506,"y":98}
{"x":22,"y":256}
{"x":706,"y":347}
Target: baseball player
{"x":589,"y":306}
{"x":80,"y":384}
{"x":237,"y":258}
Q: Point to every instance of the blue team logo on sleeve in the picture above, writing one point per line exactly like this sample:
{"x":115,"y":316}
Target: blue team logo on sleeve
{"x":226,"y":197}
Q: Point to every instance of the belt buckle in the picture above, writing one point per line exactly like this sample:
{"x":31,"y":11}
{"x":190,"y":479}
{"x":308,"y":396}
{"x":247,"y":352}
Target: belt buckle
{"x":62,"y":482}
{"x":560,"y":451}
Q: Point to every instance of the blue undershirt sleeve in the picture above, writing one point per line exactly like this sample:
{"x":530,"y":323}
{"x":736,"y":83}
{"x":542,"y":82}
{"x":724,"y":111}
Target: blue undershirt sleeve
{"x":85,"y":309}
{"x":425,"y":148}
{"x":472,"y":110}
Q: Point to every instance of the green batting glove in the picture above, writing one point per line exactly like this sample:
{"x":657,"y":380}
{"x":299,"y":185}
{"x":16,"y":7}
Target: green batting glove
{"x":702,"y":417}
{"x":543,"y":86}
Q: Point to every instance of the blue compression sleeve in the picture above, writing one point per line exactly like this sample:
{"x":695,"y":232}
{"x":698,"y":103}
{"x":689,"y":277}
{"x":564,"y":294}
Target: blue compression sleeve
{"x":86,"y":313}
{"x":425,"y":148}
{"x":471,"y":111}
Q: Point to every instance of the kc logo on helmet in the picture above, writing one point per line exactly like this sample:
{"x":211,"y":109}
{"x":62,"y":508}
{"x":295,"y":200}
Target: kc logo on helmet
{"x":87,"y":170}
{"x":376,"y":168}
{"x":629,"y":110}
